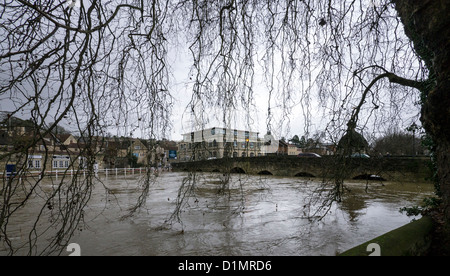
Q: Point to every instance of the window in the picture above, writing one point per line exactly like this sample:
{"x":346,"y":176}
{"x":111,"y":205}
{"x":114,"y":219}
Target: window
{"x":137,"y":147}
{"x":243,"y":154}
{"x":56,"y":163}
{"x":243,"y":145}
{"x":30,"y":163}
{"x":82,"y":162}
{"x":37,"y":164}
{"x":213,"y":131}
{"x":220,"y":131}
{"x":235,"y":144}
{"x":235,"y":154}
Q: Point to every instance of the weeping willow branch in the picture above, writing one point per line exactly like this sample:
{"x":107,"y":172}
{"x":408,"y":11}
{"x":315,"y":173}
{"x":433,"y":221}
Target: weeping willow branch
{"x":69,"y":28}
{"x":86,"y":67}
{"x":325,"y":196}
{"x":104,"y":67}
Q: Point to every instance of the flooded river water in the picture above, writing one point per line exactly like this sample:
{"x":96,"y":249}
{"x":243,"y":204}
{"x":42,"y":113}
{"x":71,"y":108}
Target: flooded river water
{"x":259,"y":216}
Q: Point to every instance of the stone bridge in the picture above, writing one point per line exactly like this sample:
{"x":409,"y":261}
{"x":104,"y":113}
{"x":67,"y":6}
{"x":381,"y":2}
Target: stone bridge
{"x":407,"y":169}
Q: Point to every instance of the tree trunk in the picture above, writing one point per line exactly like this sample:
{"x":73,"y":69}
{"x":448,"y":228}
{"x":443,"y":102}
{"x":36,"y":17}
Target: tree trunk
{"x":427,"y":25}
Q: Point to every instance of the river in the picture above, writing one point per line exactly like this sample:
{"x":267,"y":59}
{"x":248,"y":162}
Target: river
{"x":259,"y":215}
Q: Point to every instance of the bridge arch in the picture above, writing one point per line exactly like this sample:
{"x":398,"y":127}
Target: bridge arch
{"x":265,"y":172}
{"x":304,"y":174}
{"x":237,"y":170}
{"x":368,"y":176}
{"x":390,"y":169}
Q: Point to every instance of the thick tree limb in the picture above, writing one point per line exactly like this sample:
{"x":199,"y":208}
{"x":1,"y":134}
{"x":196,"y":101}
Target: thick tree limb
{"x":393,"y":78}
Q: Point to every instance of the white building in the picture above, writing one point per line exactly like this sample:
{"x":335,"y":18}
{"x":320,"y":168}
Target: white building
{"x":217,"y":142}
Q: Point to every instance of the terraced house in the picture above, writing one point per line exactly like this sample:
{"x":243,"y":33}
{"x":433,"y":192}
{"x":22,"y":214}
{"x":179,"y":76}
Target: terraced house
{"x":66,"y":152}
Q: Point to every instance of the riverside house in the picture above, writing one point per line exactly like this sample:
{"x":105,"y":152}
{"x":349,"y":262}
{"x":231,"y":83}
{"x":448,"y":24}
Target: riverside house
{"x":66,"y":152}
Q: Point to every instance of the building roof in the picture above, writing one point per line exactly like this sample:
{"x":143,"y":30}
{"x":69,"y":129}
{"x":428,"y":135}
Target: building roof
{"x":282,"y":143}
{"x":353,"y":140}
{"x":209,"y":129}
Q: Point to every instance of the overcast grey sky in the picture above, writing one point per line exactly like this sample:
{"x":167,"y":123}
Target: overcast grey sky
{"x":307,"y":110}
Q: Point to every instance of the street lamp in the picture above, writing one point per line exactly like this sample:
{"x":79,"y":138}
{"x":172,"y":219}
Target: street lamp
{"x":413,"y":128}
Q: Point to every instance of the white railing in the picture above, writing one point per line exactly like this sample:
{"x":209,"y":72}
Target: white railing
{"x":97,"y":172}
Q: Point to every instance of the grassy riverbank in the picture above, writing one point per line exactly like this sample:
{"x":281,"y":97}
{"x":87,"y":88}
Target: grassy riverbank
{"x":412,"y":239}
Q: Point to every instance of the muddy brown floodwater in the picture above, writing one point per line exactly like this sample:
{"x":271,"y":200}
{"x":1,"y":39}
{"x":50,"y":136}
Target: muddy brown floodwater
{"x":258,"y":216}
